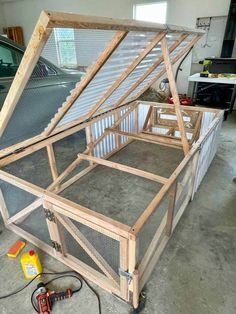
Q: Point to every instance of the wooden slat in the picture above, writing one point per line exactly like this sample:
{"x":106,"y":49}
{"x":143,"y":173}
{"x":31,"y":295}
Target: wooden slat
{"x":135,"y":289}
{"x":149,"y":71}
{"x":88,"y":248}
{"x":176,"y":58}
{"x":86,"y":80}
{"x":22,"y":184}
{"x":170,"y":209}
{"x":52,"y":161}
{"x":150,"y":138}
{"x":59,"y":19}
{"x":147,"y":118}
{"x":3,"y":209}
{"x":141,"y":221}
{"x":87,"y":214}
{"x":55,"y":232}
{"x":175,"y":95}
{"x":25,"y":212}
{"x":115,"y":165}
{"x":126,"y":73}
{"x":28,"y":62}
{"x":124,"y":258}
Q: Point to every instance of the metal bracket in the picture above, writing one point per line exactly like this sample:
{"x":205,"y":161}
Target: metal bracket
{"x":126,"y":274}
{"x":56,"y":246}
{"x":49,"y":215}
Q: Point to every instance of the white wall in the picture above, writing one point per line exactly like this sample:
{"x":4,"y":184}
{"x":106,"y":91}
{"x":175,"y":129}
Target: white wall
{"x":25,"y":12}
{"x":2,"y":18}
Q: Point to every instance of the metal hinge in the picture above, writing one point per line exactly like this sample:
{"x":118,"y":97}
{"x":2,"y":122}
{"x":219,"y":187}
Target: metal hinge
{"x":56,"y":246}
{"x":126,"y":274}
{"x":49,"y":215}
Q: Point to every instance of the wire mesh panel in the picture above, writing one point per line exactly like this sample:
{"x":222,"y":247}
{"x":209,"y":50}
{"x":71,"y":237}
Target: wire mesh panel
{"x":36,"y":164}
{"x":106,"y":247}
{"x":156,"y":223}
{"x":36,"y":224}
{"x":15,"y":198}
{"x":184,"y":181}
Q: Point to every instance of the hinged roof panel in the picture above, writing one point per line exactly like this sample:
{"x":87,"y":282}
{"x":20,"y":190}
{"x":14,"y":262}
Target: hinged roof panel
{"x":132,"y":60}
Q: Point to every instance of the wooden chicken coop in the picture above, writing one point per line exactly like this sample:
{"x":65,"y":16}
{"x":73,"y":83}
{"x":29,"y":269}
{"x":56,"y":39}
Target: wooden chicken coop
{"x":118,"y":248}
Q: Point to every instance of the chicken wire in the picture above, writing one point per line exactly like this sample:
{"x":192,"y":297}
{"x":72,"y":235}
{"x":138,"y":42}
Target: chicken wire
{"x":15,"y":198}
{"x":148,"y":231}
{"x":107,"y":247}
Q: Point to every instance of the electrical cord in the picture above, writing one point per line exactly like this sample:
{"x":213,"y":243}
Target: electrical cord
{"x":63,"y":275}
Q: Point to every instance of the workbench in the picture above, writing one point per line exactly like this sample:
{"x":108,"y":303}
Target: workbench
{"x":203,"y":87}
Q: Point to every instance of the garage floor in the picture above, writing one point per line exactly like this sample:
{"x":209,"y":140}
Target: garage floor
{"x":197,"y":271}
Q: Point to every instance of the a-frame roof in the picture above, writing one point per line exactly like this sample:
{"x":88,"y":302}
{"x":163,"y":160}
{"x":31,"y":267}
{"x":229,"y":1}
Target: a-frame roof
{"x":131,"y":62}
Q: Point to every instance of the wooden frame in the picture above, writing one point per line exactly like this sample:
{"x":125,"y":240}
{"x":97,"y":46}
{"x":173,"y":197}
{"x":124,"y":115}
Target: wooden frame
{"x":125,"y":122}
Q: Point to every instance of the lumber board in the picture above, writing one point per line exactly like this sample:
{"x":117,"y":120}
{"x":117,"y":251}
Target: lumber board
{"x":25,"y":211}
{"x":124,"y":264}
{"x":59,"y":19}
{"x":170,"y":209}
{"x":26,"y":67}
{"x":115,"y":165}
{"x":55,"y":232}
{"x":175,"y":95}
{"x":3,"y":209}
{"x":52,"y":161}
{"x":156,"y":139}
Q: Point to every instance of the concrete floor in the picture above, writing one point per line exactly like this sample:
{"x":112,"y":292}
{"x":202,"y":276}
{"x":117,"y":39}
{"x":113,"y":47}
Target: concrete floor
{"x":196,"y":273}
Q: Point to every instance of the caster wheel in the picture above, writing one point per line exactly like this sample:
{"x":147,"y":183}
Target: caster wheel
{"x":142,"y":302}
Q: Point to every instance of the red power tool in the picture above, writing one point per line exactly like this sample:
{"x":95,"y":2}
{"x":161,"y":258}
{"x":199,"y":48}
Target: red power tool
{"x":46,"y":298}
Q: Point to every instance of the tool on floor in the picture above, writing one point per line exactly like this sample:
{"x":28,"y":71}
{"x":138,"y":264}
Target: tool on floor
{"x":42,"y":299}
{"x":16,"y":249}
{"x":45,"y":298}
{"x":30,"y":264}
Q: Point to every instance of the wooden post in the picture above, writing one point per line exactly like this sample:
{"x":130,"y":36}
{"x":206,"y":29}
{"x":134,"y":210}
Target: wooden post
{"x":124,"y":267}
{"x":135,"y":289}
{"x":28,"y":62}
{"x":149,"y":71}
{"x":52,"y":162}
{"x":90,"y":144}
{"x":175,"y":95}
{"x":3,"y":209}
{"x":55,"y":232}
{"x":170,"y":210}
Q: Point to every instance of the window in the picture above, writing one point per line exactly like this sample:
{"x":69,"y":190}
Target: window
{"x":10,"y":59}
{"x":151,"y":12}
{"x":65,"y":42}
